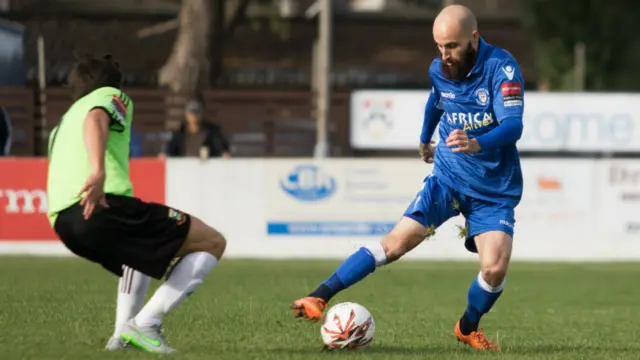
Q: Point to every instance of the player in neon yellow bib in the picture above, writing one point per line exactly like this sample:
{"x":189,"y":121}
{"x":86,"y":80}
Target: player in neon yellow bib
{"x":94,"y":212}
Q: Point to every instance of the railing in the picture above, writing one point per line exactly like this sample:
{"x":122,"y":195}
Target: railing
{"x":19,"y":105}
{"x":258,"y":124}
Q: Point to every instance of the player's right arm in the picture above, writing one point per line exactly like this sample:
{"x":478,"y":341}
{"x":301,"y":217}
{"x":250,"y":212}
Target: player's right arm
{"x":96,"y":134}
{"x":432,"y":114}
{"x":111,"y":110}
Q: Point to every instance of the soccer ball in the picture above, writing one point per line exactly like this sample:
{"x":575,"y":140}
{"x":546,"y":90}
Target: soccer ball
{"x":347,"y":326}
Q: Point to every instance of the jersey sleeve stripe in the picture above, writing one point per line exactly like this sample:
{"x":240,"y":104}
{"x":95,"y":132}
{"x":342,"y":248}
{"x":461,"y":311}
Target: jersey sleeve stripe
{"x":116,"y":125}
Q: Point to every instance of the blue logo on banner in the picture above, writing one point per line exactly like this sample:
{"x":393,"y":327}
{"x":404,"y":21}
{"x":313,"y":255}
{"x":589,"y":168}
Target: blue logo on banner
{"x":308,"y":183}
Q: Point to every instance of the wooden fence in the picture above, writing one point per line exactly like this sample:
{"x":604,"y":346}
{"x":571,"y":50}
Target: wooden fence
{"x":258,"y":124}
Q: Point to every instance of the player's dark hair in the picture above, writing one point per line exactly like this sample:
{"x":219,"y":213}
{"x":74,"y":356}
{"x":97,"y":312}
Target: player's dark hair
{"x":91,"y":73}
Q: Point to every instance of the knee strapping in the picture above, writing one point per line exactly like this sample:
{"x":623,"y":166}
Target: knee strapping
{"x":487,"y":287}
{"x":378,"y":253}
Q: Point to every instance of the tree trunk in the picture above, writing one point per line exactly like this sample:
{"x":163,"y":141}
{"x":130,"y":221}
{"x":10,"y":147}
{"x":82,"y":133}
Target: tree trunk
{"x":187,"y":69}
{"x":227,"y":15}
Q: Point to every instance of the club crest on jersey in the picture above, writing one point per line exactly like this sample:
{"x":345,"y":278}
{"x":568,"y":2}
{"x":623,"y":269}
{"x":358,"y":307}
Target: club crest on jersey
{"x":176,"y":215}
{"x":482,"y":96}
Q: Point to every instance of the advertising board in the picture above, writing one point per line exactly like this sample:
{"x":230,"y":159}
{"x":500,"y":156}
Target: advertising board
{"x":23,"y":198}
{"x":619,"y":192}
{"x":571,"y":210}
{"x":577,"y":122}
{"x":304,"y":208}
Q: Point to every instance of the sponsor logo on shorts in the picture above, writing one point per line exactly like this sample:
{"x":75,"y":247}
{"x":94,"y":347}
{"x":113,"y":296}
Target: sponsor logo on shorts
{"x":178,"y":216}
{"x":506,"y":223}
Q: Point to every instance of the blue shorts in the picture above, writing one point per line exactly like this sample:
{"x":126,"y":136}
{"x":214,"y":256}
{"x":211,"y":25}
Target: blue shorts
{"x":437,"y":202}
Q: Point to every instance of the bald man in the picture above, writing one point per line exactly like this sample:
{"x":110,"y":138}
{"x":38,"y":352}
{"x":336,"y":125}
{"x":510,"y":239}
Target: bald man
{"x":477,"y":99}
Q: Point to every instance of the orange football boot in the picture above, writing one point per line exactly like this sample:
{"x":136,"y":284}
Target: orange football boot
{"x":476,"y":339}
{"x":309,"y":307}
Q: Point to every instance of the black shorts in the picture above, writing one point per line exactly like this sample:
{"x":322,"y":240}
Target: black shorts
{"x":144,"y":236}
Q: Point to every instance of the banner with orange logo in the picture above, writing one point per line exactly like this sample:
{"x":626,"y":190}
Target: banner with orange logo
{"x":303,"y":208}
{"x":23,"y":198}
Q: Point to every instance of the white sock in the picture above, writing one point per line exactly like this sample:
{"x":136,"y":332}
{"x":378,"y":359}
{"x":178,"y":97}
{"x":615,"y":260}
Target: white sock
{"x":186,"y":276}
{"x":488,"y":288}
{"x":132,"y":288}
{"x":378,"y":253}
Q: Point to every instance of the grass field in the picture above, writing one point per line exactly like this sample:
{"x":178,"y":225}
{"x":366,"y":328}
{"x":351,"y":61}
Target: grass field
{"x":64,"y":309}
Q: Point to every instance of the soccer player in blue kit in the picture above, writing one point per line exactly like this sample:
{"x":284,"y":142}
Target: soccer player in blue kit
{"x":477,"y":98}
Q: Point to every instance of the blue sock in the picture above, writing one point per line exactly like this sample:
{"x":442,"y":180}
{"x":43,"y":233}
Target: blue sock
{"x":355,"y":268}
{"x":479,"y":302}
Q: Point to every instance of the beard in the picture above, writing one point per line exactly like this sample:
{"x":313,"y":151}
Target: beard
{"x":459,"y":69}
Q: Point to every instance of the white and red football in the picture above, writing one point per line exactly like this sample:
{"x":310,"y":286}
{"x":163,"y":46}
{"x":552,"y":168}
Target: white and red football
{"x":347,"y":326}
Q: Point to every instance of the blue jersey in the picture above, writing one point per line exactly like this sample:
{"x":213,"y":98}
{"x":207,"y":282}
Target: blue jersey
{"x":488,"y":105}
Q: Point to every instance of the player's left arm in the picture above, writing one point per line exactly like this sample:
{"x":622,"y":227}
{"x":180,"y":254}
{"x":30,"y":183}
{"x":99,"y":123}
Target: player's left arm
{"x":508,"y":107}
{"x":116,"y":104}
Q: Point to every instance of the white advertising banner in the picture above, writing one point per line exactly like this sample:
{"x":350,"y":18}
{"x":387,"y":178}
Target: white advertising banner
{"x":552,"y":121}
{"x":305,"y":208}
{"x":339,"y":197}
{"x":343,"y":204}
{"x":619,"y":193}
{"x":556,"y":217}
{"x":387,"y":119}
{"x":572,"y":210}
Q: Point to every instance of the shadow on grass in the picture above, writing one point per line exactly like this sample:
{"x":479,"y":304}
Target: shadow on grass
{"x":379,"y":349}
{"x":607,"y":352}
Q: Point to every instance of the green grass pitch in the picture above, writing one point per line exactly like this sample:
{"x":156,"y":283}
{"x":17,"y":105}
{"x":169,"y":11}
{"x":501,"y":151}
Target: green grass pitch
{"x":64,"y":309}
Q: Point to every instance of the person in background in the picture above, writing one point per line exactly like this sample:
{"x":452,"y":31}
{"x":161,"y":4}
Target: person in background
{"x":197,"y":137}
{"x":5,"y":133}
